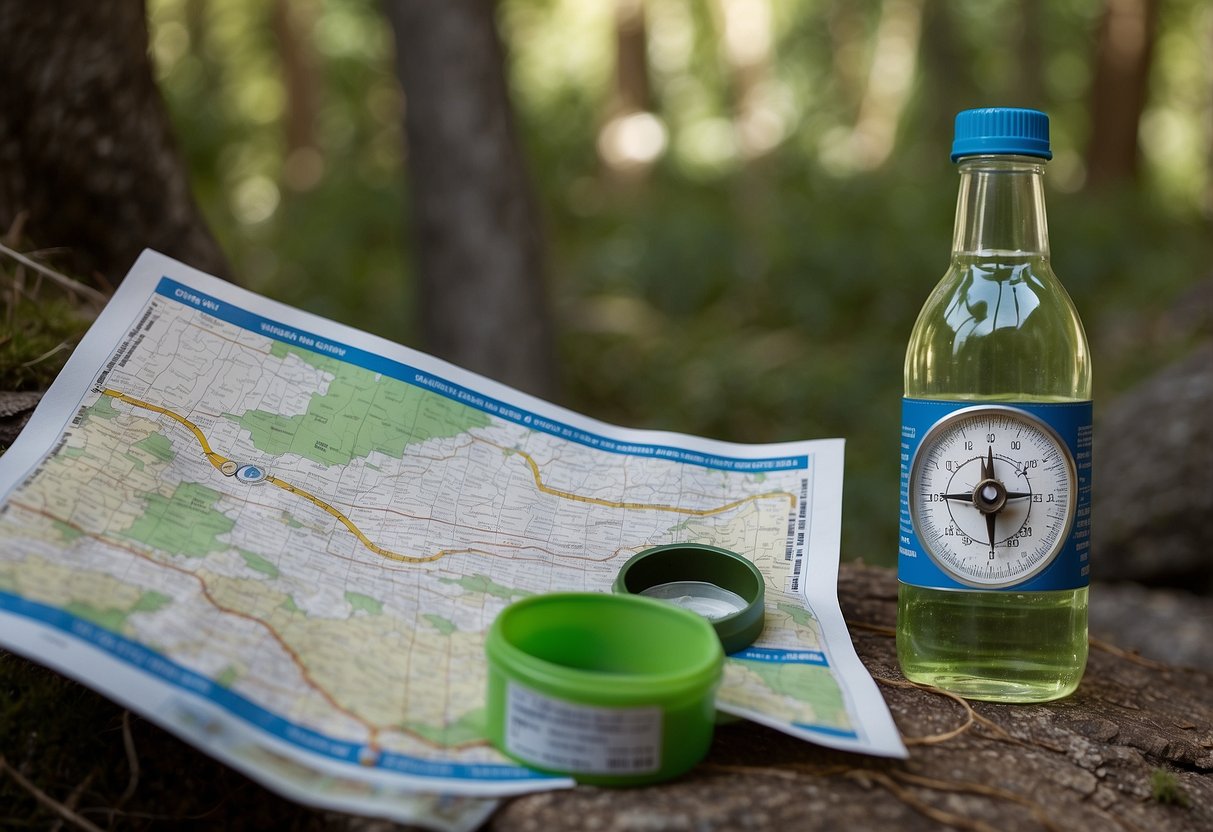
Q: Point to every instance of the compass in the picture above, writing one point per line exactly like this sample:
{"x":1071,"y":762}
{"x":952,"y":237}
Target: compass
{"x":992,"y":495}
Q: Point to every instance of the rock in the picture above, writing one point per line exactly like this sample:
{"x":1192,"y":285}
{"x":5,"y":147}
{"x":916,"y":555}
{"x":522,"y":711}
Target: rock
{"x":15,"y":410}
{"x":1153,"y":490}
{"x":1165,"y":625}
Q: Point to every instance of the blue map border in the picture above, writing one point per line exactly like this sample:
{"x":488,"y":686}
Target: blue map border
{"x":232,"y":314}
{"x":149,"y":661}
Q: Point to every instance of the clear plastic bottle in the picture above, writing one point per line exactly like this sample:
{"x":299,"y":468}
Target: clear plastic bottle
{"x":999,"y":329}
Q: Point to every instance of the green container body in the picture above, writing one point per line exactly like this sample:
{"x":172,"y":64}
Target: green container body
{"x":612,"y":690}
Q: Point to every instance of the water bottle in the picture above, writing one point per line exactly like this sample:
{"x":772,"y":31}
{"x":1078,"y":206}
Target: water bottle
{"x":994,"y":548}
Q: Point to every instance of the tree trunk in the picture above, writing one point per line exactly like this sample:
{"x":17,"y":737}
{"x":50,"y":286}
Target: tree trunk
{"x":86,"y":150}
{"x":890,"y":79}
{"x":480,"y":256}
{"x":1124,"y":52}
{"x":1029,"y":52}
{"x":633,"y":92}
{"x":948,"y":84}
{"x":293,"y":24}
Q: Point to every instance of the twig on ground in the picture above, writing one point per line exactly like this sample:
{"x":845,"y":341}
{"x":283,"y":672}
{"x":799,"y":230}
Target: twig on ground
{"x":65,"y":345}
{"x":45,"y":799}
{"x":1039,"y":812}
{"x":73,"y":799}
{"x":132,"y":759}
{"x":880,"y":629}
{"x":934,"y":739}
{"x":922,"y":807}
{"x":1100,"y":644}
{"x":62,"y":280}
{"x":793,"y":772}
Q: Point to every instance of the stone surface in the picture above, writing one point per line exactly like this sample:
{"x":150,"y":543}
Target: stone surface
{"x":15,"y":410}
{"x":1153,"y":468}
{"x":1167,"y":625}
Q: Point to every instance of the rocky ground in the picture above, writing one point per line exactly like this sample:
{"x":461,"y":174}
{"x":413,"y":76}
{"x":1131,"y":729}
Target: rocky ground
{"x":1167,"y":625}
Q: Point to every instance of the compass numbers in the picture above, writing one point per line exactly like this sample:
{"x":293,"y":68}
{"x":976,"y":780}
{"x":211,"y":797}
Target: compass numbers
{"x":992,"y":495}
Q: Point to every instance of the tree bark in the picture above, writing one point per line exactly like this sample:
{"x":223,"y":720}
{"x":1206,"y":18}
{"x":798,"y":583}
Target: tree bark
{"x":480,"y":254}
{"x":86,"y":151}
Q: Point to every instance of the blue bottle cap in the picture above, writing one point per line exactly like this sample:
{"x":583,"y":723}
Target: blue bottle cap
{"x":1001,"y":130}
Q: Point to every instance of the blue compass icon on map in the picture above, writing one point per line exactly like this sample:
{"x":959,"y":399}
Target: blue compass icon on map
{"x":251,"y":474}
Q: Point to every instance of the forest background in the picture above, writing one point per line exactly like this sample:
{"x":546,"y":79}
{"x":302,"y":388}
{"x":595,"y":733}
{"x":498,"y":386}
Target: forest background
{"x":743,"y":203}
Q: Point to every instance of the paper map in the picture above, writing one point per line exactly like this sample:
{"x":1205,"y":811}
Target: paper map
{"x":285,"y":539}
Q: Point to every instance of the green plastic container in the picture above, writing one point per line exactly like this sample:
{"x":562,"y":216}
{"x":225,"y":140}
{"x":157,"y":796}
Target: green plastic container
{"x":720,"y":585}
{"x":612,"y":690}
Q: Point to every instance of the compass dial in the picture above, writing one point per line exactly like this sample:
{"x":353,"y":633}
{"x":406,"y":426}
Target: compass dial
{"x":992,"y":495}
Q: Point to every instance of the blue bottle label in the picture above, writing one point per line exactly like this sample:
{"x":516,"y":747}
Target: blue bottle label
{"x":995,"y":496}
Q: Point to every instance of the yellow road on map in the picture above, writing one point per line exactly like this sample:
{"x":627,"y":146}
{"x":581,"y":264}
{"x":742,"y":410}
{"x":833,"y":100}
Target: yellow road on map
{"x":219,"y":461}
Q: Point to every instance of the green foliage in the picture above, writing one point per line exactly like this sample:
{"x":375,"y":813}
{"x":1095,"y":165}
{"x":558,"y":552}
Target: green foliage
{"x":324,"y":225}
{"x":39,"y":328}
{"x":749,"y":295}
{"x":1165,"y":789}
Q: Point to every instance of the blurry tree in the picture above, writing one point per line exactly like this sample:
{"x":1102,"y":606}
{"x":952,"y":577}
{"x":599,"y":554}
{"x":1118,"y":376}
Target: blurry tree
{"x":87,"y":158}
{"x":1030,"y":51}
{"x":293,"y":34}
{"x":1123,"y":55}
{"x":890,"y":80}
{"x":945,"y":59}
{"x":746,"y":32}
{"x":479,"y":249}
{"x":633,"y":91}
{"x":631,"y":137}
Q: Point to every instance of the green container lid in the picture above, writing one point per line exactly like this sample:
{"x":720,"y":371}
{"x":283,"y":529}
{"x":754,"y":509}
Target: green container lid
{"x":613,"y":690}
{"x":720,"y":585}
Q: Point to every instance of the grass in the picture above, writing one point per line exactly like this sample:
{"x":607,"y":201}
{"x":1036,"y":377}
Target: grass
{"x":44,"y":316}
{"x":1165,"y":789}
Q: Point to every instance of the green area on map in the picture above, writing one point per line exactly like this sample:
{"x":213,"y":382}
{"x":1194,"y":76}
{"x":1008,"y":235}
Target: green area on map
{"x":114,"y":618}
{"x":486,"y":586}
{"x":360,"y":413}
{"x":185,"y":524}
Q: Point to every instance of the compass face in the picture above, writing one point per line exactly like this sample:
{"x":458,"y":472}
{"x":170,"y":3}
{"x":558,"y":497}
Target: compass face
{"x":992,"y":495}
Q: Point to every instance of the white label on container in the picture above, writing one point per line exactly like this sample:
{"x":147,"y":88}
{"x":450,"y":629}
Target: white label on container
{"x":581,"y":739}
